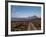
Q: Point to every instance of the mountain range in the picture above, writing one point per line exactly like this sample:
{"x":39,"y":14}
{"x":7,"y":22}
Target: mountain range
{"x":25,"y":19}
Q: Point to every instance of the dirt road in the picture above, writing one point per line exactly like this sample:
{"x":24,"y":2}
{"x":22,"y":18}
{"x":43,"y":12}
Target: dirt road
{"x":31,"y":26}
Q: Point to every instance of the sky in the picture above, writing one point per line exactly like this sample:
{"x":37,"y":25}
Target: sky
{"x":25,"y":11}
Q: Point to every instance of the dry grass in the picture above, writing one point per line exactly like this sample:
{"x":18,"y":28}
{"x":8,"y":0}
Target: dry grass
{"x":23,"y":25}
